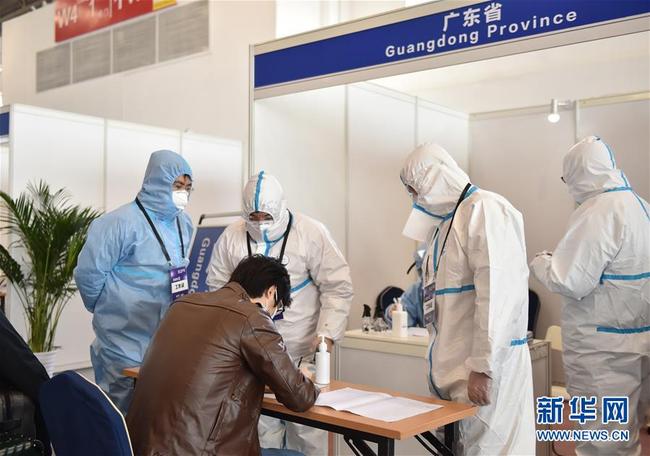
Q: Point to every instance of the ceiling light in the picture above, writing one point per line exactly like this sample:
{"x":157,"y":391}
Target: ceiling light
{"x":554,"y":114}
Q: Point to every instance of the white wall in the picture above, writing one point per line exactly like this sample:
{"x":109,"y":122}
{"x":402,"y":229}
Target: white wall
{"x":298,"y":16}
{"x":206,"y":93}
{"x":381,"y":133}
{"x":625,"y":128}
{"x":338,"y":153}
{"x":300,"y":138}
{"x":520,"y":157}
{"x":101,"y":163}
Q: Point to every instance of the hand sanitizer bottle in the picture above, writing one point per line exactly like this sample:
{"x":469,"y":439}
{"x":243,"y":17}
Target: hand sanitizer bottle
{"x":322,"y":363}
{"x":400,"y":320}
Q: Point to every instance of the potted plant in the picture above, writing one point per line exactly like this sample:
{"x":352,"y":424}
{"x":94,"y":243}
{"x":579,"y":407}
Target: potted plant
{"x":47,"y":234}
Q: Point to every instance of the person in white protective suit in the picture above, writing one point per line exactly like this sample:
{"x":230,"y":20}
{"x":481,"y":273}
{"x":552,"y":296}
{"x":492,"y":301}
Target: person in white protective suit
{"x":475,"y":279}
{"x":321,"y":287}
{"x":602,"y":269}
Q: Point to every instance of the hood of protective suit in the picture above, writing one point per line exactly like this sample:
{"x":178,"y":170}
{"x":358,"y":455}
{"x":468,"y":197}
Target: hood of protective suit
{"x":437,"y":179}
{"x":156,"y":193}
{"x":263,"y":193}
{"x":590,"y":169}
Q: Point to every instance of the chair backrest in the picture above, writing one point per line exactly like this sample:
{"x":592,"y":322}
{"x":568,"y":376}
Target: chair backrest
{"x":81,"y":419}
{"x":533,"y":310}
{"x":386,"y":297}
{"x":554,"y":336}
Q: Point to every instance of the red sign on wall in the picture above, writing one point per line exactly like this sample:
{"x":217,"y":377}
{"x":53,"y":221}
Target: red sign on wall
{"x":76,"y":17}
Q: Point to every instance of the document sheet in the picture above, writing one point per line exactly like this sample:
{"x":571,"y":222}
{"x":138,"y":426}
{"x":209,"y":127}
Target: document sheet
{"x":378,"y":406}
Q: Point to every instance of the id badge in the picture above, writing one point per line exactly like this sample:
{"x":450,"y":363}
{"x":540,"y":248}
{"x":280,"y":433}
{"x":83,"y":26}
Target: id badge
{"x":429,"y":304}
{"x":180,"y":284}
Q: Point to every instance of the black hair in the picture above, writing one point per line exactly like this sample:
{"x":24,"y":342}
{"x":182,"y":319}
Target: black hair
{"x":258,"y":273}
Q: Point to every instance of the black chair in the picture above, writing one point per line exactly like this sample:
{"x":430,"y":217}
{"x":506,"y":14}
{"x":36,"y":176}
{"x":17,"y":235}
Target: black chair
{"x":81,"y":419}
{"x":387,"y":297}
{"x":533,"y":310}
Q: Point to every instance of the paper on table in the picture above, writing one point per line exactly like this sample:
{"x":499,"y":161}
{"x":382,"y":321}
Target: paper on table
{"x":378,"y":406}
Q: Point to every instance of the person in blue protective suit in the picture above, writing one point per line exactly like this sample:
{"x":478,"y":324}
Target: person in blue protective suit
{"x":412,"y":297}
{"x":132,"y":258}
{"x":601,"y":268}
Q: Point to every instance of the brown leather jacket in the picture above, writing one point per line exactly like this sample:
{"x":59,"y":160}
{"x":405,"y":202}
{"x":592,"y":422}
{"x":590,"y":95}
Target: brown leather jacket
{"x":201,"y":385}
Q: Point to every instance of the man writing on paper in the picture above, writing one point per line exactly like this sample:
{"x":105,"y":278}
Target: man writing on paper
{"x":201,"y":385}
{"x":475,"y":279}
{"x":321,"y":293}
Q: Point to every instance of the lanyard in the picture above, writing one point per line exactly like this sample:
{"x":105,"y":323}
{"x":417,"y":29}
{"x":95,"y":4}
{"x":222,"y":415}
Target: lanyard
{"x":284,"y":242}
{"x":444,"y":243}
{"x":158,"y":238}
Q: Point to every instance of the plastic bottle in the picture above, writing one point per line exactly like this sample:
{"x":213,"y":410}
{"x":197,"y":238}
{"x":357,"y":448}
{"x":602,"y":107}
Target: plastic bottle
{"x":322,"y":363}
{"x":366,"y":322}
{"x":400,"y":320}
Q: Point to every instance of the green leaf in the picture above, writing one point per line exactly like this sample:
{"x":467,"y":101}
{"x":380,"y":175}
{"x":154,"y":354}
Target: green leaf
{"x":50,"y":232}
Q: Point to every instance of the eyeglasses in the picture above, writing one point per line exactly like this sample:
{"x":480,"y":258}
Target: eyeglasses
{"x":176,"y":186}
{"x":412,"y":192}
{"x":562,"y":179}
{"x":279,"y":304}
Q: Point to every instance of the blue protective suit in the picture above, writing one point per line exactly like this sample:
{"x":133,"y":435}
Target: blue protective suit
{"x":412,"y":304}
{"x":412,"y":297}
{"x":123,"y":276}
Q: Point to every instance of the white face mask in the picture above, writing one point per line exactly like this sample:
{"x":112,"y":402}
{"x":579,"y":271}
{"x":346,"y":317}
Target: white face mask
{"x":419,"y":225}
{"x":262,"y":226}
{"x":180,"y":198}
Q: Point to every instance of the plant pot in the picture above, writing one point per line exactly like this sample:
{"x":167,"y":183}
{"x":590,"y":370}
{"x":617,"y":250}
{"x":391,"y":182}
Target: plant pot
{"x":47,"y":359}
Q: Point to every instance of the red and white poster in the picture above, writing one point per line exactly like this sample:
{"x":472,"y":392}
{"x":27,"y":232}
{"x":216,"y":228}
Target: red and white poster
{"x":76,"y":17}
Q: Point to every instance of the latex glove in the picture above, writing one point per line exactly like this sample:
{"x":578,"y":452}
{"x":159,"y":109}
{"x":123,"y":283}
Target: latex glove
{"x":316,"y":342}
{"x":478,"y":388}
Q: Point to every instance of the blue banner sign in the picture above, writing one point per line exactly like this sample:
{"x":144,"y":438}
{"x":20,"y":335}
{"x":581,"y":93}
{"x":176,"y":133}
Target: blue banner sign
{"x":452,"y":30}
{"x":4,"y":124}
{"x":204,"y":241}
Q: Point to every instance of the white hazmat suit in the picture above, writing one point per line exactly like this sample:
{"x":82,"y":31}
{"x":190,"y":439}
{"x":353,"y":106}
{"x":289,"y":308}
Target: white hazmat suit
{"x":602,"y":269}
{"x":321,"y":288}
{"x":481,"y":301}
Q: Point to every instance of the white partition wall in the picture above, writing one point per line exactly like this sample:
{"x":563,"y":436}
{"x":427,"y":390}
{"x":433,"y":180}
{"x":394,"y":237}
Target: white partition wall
{"x":625,"y":128}
{"x":300,"y":139}
{"x":338,"y":152}
{"x":217,"y":170}
{"x":445,"y":127}
{"x":520,"y":157}
{"x":381,"y":135}
{"x":66,"y":151}
{"x":101,"y":163}
{"x":128,"y":147}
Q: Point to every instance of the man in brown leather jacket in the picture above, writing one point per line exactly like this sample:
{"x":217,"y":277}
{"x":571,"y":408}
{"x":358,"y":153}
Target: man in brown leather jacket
{"x":201,"y":385}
